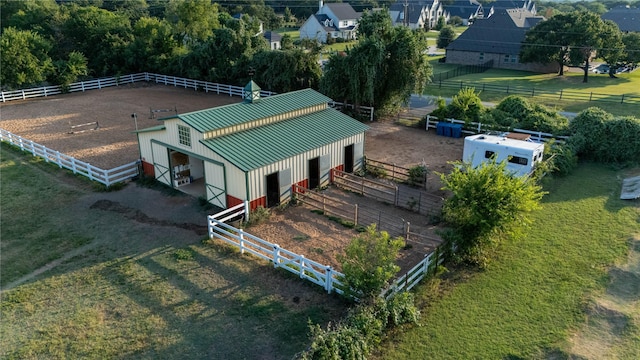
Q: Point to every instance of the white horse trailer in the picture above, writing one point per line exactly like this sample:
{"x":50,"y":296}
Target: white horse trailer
{"x":521,"y":155}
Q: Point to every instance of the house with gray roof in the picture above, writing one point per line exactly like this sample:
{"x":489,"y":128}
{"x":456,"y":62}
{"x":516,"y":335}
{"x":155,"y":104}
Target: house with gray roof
{"x":627,"y":18}
{"x":255,"y":150}
{"x":333,"y":20}
{"x":497,"y":5}
{"x":467,"y":10}
{"x":417,"y":14}
{"x":496,"y":40}
{"x":274,"y":39}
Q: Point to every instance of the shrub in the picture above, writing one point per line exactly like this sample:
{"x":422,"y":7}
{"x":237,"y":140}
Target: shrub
{"x":402,"y":309}
{"x":376,"y":171}
{"x":418,"y":174}
{"x":368,"y":262}
{"x":259,"y":215}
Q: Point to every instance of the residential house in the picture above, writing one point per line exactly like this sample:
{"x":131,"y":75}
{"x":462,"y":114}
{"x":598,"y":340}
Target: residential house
{"x":255,"y":150}
{"x":497,"y":5}
{"x":496,"y":40}
{"x":627,"y":18}
{"x":333,"y":20}
{"x":274,"y":39}
{"x":467,"y":10}
{"x":417,"y":14}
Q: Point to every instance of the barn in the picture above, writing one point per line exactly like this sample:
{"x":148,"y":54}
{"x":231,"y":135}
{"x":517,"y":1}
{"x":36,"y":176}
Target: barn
{"x":254,"y":150}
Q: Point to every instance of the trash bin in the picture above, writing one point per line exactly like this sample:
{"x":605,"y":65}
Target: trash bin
{"x":456,"y":130}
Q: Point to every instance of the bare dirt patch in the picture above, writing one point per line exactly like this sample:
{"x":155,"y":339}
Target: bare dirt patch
{"x":47,"y":121}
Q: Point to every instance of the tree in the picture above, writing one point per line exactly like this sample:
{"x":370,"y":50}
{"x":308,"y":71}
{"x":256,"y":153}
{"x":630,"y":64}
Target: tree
{"x":153,"y":47}
{"x":487,"y":204}
{"x":100,"y":35}
{"x":382,"y":70}
{"x":571,"y":38}
{"x":194,"y":20}
{"x":440,"y":23}
{"x":25,"y":58}
{"x":68,"y":71}
{"x":631,"y":43}
{"x":455,"y":21}
{"x":286,"y":70}
{"x":612,"y":47}
{"x":446,"y":36}
{"x":368,"y":262}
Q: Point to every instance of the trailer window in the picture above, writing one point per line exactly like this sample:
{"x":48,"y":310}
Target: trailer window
{"x":518,"y":160}
{"x":488,"y":154}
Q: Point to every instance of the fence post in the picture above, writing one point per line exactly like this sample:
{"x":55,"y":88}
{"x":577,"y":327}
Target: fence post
{"x":560,"y":94}
{"x":58,"y":159}
{"x":241,"y":241}
{"x":355,"y":214}
{"x":301,"y":266}
{"x":396,"y":201}
{"x":247,"y":211}
{"x":328,"y":284}
{"x":622,"y":100}
{"x":210,"y":225}
{"x":406,"y":231}
{"x":590,"y":96}
{"x":276,"y":255}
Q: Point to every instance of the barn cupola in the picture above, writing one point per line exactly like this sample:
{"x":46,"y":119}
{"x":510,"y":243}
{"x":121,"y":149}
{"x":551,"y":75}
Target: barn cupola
{"x":251,"y":92}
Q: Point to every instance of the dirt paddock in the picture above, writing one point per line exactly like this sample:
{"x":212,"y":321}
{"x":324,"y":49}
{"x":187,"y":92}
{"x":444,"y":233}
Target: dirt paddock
{"x":48,"y":121}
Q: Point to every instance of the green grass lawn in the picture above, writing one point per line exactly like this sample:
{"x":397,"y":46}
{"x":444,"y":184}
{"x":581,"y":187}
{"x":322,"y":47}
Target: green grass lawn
{"x":626,"y":83}
{"x":542,"y":289}
{"x":129,"y":292}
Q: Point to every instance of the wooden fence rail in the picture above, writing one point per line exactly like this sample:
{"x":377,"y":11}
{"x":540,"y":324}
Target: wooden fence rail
{"x":106,"y":177}
{"x":307,"y":269}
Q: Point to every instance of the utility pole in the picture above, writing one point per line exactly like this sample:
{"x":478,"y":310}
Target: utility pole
{"x":406,"y":13}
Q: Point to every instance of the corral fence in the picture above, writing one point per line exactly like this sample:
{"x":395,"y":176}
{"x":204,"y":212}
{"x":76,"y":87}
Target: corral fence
{"x":361,"y":216}
{"x":238,"y":213}
{"x":403,"y":196}
{"x":427,"y":267}
{"x":477,"y":128}
{"x":561,"y":94}
{"x":198,"y":85}
{"x":396,"y":173}
{"x":307,"y":269}
{"x":106,"y":177}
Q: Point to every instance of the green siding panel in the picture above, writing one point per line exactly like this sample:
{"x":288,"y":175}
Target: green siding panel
{"x":257,"y":147}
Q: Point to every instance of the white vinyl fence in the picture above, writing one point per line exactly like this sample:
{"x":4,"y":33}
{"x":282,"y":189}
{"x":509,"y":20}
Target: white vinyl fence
{"x":106,"y":177}
{"x":197,"y":85}
{"x":537,"y":136}
{"x":305,"y":268}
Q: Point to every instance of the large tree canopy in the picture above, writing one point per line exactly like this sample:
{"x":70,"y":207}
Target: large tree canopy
{"x":24,"y":58}
{"x":570,"y":39}
{"x":382,"y":70}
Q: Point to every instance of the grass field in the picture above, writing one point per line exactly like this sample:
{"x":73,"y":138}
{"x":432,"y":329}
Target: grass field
{"x":129,"y":289}
{"x":563,"y":291}
{"x":626,"y":83}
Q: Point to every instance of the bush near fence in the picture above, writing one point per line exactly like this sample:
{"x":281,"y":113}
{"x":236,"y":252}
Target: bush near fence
{"x":632,"y":99}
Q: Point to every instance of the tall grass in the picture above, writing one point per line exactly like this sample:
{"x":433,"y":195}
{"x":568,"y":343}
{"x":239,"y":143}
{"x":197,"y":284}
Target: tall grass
{"x":534,"y":296}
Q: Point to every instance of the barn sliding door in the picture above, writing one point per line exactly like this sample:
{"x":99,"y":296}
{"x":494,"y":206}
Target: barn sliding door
{"x":161,"y":163}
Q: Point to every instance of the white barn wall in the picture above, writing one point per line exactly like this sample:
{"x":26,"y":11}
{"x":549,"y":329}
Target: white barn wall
{"x":299,"y":165}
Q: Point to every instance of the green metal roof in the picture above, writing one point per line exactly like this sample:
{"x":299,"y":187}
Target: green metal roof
{"x":264,"y":145}
{"x":233,"y":114}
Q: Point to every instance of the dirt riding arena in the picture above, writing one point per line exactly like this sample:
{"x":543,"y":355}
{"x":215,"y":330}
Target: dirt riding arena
{"x":48,"y":122}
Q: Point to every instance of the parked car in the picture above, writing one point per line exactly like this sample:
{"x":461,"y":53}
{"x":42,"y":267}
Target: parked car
{"x":601,"y":69}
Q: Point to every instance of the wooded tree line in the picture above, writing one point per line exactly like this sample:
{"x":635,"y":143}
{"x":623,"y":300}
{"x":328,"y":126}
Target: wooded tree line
{"x":43,"y":41}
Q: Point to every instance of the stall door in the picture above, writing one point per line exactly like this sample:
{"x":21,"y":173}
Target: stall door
{"x":215,"y":185}
{"x":161,"y":163}
{"x":348,"y":158}
{"x":273,"y":190}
